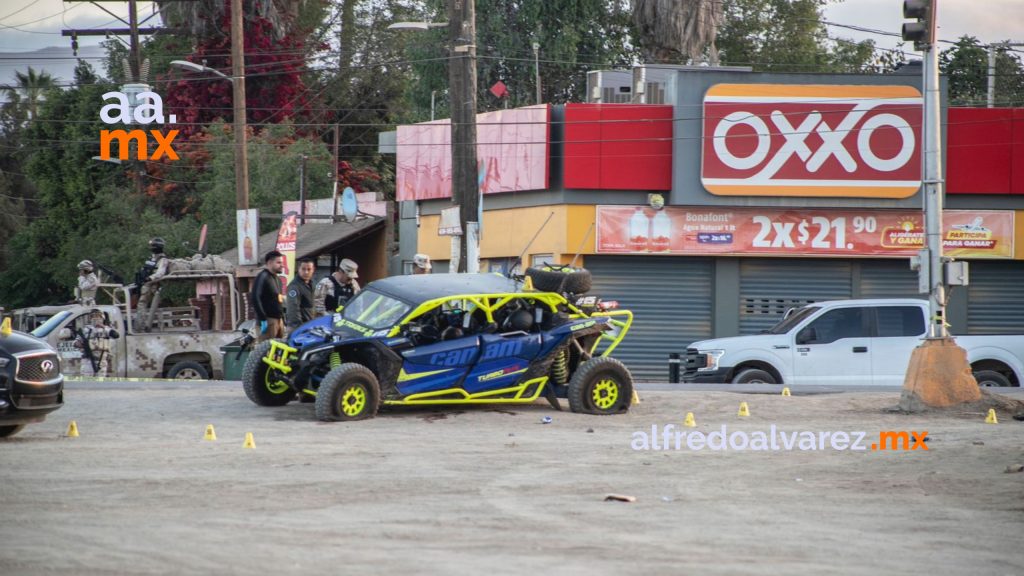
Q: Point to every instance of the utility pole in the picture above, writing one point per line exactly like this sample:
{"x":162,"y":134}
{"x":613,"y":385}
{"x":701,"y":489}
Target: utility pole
{"x":302,"y":190}
{"x":462,"y":82}
{"x":536,"y":68}
{"x":238,"y":86}
{"x":133,"y":24}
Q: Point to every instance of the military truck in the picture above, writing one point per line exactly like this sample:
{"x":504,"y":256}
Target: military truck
{"x":169,"y":341}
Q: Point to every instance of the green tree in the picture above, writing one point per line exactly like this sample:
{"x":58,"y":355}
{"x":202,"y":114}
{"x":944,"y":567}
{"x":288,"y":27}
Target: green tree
{"x":788,"y":36}
{"x":966,"y":66}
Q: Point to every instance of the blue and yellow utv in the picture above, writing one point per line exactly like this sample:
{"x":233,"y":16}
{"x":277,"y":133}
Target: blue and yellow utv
{"x":449,"y":339}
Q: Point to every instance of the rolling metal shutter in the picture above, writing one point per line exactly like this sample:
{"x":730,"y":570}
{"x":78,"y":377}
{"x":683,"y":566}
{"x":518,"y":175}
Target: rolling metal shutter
{"x":995,"y":300}
{"x":671,"y":303}
{"x":888,"y":279}
{"x":769,"y":287}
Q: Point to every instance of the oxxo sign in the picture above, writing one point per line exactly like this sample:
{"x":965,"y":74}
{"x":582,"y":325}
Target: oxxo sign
{"x":149,"y":109}
{"x":812,"y":140}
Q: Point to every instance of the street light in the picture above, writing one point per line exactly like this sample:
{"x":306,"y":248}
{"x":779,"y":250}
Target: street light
{"x":462,"y":88}
{"x":241,"y":153}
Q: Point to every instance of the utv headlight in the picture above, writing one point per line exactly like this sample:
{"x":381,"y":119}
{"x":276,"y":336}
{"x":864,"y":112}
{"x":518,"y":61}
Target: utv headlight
{"x":712,"y":359}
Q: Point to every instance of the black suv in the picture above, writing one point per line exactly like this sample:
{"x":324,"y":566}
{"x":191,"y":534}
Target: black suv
{"x":31,"y":384}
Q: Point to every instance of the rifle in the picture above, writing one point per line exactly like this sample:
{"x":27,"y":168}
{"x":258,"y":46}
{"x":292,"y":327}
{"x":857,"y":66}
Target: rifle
{"x":88,"y":351}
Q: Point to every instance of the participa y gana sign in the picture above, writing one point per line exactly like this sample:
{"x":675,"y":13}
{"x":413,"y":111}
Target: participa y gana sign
{"x":287,"y":236}
{"x":812,"y":140}
{"x":781,"y":232}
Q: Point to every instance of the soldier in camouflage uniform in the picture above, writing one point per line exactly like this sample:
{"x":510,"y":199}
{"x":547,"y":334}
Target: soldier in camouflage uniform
{"x":154,"y":269}
{"x":98,"y":345}
{"x":336,"y":289}
{"x":85,"y":293}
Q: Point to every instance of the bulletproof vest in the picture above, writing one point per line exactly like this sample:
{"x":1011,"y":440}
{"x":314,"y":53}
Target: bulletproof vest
{"x":151,"y":265}
{"x":342,"y":294}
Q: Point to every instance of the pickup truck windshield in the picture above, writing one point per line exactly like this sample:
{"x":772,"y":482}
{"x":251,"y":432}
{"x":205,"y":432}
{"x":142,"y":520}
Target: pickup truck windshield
{"x":49,"y":325}
{"x":374,"y":310}
{"x":795,"y":318}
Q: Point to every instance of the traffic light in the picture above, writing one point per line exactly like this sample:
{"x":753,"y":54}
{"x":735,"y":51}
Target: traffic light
{"x":922,"y":32}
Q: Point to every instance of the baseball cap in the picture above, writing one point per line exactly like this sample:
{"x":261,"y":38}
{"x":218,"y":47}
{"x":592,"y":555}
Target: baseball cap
{"x":349,"y":267}
{"x":422,"y":261}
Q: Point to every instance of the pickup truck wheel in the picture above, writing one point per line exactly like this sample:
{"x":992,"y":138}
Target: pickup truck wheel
{"x":753,"y":376}
{"x":348,"y":392}
{"x":991,"y":378}
{"x":188,"y":371}
{"x":6,"y":431}
{"x":601,"y":386}
{"x":261,"y":382}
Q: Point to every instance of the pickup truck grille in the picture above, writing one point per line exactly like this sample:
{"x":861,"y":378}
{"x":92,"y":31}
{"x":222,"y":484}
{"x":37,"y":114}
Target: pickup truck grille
{"x":693,"y":360}
{"x":39,"y":368}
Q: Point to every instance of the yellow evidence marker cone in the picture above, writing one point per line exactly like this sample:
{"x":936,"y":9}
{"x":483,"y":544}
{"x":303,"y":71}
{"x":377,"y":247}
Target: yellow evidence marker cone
{"x":5,"y":328}
{"x":744,"y":410}
{"x":210,"y":435}
{"x":635,"y":399}
{"x":249,"y":442}
{"x":72,"y":430}
{"x":690,"y":422}
{"x":991,"y":418}
{"x":785,"y":391}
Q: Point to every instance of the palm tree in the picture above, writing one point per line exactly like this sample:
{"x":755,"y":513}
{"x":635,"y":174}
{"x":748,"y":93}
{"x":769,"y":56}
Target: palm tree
{"x":677,"y":29}
{"x":30,"y":89}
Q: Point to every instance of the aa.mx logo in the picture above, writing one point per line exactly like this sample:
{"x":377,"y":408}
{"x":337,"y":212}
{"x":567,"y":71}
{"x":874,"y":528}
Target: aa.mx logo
{"x":150,"y":109}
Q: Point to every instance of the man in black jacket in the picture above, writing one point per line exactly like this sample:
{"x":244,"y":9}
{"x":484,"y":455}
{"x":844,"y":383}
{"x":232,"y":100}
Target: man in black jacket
{"x":299,"y":301}
{"x":266,"y":297}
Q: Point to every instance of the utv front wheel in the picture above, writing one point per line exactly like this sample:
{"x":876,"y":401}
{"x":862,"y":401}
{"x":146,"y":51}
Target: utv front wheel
{"x":348,"y":392}
{"x":261,"y":383}
{"x":601,"y":386}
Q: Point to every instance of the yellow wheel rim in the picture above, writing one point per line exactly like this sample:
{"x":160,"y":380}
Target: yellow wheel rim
{"x":606,"y":393}
{"x":273,"y":385}
{"x":353,"y":401}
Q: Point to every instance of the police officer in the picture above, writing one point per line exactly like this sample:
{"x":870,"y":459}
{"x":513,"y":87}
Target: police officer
{"x":98,"y":336}
{"x":154,"y":268}
{"x":85,"y":293}
{"x":337,"y":288}
{"x":299,"y":301}
{"x":266,"y":297}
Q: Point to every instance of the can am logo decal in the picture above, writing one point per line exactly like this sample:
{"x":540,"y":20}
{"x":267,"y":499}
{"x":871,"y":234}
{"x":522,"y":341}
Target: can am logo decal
{"x":812,"y":140}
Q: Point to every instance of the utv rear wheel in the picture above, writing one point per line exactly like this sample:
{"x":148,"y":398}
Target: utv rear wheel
{"x":6,"y":431}
{"x":261,"y":382}
{"x":348,"y":392}
{"x":601,"y":386}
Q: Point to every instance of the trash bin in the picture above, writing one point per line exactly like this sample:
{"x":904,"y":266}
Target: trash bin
{"x":235,"y":356}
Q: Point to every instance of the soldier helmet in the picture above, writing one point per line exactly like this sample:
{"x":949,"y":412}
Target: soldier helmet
{"x":85,"y":265}
{"x":157,"y":244}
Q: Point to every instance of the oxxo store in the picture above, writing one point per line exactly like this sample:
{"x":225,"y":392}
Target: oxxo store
{"x":778,"y":190}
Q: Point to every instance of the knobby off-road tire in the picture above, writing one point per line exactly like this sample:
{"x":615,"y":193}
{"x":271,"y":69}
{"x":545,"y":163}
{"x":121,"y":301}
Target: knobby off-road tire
{"x":601,"y":386}
{"x":575,"y":282}
{"x":257,"y":382}
{"x":348,"y":392}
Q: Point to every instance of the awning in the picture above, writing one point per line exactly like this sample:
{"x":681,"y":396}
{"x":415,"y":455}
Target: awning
{"x":314,"y":239}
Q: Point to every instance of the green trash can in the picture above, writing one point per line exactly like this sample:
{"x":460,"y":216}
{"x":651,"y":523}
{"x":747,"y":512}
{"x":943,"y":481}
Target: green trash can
{"x":233,"y":361}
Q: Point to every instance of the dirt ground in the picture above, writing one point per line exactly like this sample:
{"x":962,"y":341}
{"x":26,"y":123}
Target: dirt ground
{"x":486,"y":490}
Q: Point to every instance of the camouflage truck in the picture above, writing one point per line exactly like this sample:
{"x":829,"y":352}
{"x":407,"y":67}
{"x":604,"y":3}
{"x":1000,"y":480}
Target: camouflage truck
{"x":172,"y":342}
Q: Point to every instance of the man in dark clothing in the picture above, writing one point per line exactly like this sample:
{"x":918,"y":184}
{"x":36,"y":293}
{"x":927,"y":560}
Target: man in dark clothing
{"x":266,"y":297}
{"x":299,"y":301}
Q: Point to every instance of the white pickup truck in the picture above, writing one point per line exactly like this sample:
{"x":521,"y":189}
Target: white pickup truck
{"x":845,"y":342}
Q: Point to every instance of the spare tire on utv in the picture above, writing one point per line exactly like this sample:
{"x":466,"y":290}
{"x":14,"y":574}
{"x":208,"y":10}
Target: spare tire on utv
{"x":553,"y":278}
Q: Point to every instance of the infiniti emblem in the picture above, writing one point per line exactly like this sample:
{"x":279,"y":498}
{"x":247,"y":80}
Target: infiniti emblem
{"x":47,"y":366}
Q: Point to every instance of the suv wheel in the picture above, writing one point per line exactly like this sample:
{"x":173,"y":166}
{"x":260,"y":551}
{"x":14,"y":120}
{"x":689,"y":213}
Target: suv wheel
{"x":6,"y":431}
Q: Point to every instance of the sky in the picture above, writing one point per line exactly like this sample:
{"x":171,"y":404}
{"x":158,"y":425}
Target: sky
{"x":30,"y":25}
